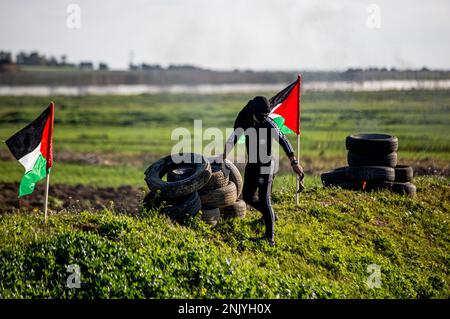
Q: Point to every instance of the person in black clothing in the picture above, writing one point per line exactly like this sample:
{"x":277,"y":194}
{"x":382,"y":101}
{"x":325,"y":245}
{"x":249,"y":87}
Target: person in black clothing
{"x":260,"y":130}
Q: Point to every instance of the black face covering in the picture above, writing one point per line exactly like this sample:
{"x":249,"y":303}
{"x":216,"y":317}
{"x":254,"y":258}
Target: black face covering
{"x":261,"y":108}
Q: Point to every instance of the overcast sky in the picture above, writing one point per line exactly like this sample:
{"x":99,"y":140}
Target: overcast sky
{"x":228,"y":34}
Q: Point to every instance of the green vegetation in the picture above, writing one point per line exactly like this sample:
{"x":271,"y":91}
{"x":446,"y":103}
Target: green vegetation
{"x":324,"y":247}
{"x":141,"y":125}
{"x":73,"y":174}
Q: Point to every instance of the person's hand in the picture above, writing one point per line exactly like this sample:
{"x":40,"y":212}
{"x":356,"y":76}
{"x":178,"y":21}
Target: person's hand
{"x":299,"y":171}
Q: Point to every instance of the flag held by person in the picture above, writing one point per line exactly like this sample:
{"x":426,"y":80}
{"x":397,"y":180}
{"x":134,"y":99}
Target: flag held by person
{"x":32,"y":147}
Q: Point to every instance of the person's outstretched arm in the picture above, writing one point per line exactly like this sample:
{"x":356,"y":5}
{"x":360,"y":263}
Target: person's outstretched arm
{"x":287,"y":147}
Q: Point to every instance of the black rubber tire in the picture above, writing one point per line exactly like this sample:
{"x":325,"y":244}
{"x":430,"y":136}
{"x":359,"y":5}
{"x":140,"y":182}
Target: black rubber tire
{"x":355,"y":159}
{"x":220,"y":197}
{"x":403,"y":173}
{"x":370,"y":173}
{"x":177,"y":209}
{"x":234,"y":175}
{"x":180,"y":173}
{"x":378,"y":185}
{"x":408,"y":189}
{"x":218,"y":178}
{"x":236,"y":210}
{"x":334,"y":177}
{"x":211,"y":216}
{"x":371,"y":143}
{"x":201,"y":175}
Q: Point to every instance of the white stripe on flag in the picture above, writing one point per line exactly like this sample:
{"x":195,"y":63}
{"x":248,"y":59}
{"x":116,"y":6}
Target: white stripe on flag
{"x":30,"y":159}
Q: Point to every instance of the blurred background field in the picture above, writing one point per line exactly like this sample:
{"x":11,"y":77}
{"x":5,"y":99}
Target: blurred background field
{"x":109,"y":140}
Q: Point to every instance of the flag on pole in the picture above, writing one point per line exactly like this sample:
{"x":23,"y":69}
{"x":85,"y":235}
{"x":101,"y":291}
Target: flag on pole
{"x":32,"y":147}
{"x":285,"y":107}
{"x":285,"y":112}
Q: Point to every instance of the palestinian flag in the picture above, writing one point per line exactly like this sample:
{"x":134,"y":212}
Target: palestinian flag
{"x":285,"y":107}
{"x":32,"y":147}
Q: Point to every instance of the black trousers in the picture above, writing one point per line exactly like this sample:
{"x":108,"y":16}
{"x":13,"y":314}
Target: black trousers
{"x":255,"y":179}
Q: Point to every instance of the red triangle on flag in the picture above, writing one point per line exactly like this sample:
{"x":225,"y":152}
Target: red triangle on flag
{"x":289,"y":109}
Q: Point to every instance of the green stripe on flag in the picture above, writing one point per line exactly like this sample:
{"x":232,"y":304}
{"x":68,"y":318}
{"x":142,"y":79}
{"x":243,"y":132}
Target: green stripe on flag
{"x":30,"y":178}
{"x":279,"y":120}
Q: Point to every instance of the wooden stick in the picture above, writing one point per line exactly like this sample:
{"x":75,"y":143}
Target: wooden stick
{"x":297,"y":180}
{"x":47,"y":184}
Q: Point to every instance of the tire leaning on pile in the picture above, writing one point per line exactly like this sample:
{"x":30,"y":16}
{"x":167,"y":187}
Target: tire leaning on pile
{"x":186,"y":186}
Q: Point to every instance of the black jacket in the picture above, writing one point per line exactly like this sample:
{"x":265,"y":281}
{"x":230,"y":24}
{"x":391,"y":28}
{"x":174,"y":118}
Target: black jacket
{"x":264,"y":133}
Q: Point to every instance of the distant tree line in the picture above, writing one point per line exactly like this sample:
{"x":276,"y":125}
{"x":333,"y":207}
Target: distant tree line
{"x":151,"y":67}
{"x":76,"y":74}
{"x":36,"y":59}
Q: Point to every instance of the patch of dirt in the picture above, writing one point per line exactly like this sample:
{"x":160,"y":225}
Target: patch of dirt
{"x":71,"y":198}
{"x":94,"y":158}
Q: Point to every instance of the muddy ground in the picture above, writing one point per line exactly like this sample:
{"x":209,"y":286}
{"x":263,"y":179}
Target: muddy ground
{"x":127,"y":198}
{"x":71,"y":198}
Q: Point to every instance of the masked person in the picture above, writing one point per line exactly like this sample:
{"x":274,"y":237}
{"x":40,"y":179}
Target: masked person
{"x":260,"y":131}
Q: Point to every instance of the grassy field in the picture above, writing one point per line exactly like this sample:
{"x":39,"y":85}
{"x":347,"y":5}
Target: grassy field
{"x":137,"y":129}
{"x":324,"y":245}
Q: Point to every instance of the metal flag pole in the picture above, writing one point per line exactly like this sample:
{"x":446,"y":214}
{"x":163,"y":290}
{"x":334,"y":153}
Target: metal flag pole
{"x":297,"y":180}
{"x":47,"y":184}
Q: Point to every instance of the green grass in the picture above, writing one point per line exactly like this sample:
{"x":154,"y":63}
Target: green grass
{"x":143,"y":123}
{"x":73,"y":174}
{"x":324,"y":247}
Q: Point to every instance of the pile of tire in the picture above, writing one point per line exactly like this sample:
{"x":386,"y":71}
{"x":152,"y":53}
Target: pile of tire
{"x":177,"y":198}
{"x":232,"y":209}
{"x":372,"y":165}
{"x":220,"y":196}
{"x":210,"y":187}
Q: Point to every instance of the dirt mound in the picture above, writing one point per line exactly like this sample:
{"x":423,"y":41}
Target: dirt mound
{"x":72,"y":198}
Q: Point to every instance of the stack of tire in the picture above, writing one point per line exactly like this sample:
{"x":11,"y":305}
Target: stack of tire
{"x":219,"y":197}
{"x":212,"y":187}
{"x":372,"y":160}
{"x":177,"y":198}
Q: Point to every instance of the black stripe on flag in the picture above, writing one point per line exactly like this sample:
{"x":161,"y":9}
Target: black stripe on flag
{"x":282,"y":95}
{"x":28,"y":138}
